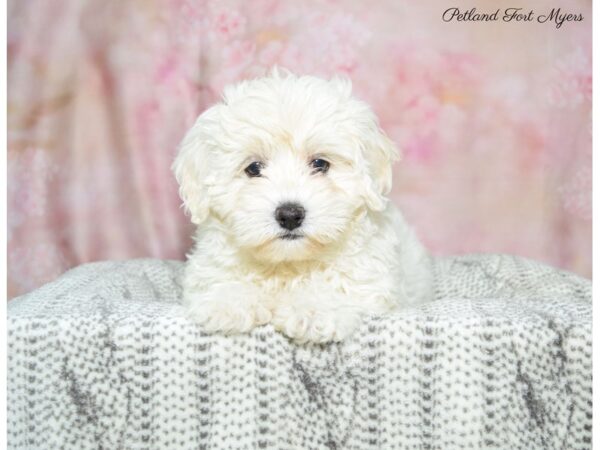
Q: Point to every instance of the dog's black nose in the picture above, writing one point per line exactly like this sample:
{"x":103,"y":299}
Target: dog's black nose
{"x":289,"y":215}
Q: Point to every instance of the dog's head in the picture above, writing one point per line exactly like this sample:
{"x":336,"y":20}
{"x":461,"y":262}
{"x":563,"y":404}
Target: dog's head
{"x":286,"y":164}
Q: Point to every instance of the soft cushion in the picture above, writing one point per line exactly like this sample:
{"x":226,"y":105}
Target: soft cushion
{"x":104,"y":357}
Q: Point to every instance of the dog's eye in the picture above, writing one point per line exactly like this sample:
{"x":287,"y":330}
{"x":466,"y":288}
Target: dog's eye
{"x":319,"y":165}
{"x":253,"y":170}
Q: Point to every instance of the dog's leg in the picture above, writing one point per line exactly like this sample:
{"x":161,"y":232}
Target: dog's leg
{"x":322,"y":314}
{"x":229,"y":307}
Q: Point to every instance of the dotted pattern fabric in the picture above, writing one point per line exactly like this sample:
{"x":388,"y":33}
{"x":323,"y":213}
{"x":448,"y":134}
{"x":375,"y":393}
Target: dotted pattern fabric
{"x":104,"y":358}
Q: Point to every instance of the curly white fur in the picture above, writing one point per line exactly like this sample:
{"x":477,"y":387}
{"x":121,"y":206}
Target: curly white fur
{"x":356,"y":256}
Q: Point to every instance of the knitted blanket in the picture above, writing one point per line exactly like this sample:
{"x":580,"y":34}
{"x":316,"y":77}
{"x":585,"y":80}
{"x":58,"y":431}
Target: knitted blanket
{"x":103,"y":358}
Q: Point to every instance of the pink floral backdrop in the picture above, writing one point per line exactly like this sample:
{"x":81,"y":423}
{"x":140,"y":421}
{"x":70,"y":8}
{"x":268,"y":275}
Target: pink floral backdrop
{"x":494,"y":119}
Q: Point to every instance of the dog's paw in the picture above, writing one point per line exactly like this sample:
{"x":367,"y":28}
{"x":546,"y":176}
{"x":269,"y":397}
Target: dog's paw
{"x":306,"y":324}
{"x":230,"y":309}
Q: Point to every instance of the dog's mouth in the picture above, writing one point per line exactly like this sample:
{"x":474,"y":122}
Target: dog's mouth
{"x":290,"y":236}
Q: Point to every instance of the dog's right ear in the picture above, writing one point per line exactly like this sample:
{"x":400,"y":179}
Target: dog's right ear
{"x":191,"y":170}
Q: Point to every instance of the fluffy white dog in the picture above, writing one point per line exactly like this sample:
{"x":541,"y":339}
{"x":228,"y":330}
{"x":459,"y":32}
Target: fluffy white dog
{"x":286,"y":180}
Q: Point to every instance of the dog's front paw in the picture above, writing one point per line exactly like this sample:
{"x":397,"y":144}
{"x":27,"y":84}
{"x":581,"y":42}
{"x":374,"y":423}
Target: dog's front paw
{"x":229,"y":310}
{"x":306,"y":324}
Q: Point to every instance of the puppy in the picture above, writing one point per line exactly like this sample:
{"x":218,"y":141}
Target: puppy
{"x":286,"y":179}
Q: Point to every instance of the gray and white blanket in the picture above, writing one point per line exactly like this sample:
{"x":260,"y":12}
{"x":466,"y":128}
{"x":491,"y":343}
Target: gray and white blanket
{"x":103,"y":358}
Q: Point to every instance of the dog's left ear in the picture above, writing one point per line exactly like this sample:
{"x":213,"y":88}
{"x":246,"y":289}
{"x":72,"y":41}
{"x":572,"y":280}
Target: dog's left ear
{"x":379,"y":153}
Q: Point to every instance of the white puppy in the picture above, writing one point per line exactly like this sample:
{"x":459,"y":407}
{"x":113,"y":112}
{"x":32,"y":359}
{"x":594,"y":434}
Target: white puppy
{"x":286,"y":180}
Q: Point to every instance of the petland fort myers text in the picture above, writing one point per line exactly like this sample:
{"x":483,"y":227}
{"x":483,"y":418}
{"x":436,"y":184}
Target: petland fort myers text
{"x":555,"y":16}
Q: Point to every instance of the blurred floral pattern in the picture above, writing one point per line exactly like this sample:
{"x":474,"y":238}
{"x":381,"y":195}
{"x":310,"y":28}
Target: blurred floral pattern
{"x":494,"y":119}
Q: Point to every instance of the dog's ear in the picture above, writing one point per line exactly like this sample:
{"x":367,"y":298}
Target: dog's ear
{"x":191,"y":170}
{"x":379,"y":153}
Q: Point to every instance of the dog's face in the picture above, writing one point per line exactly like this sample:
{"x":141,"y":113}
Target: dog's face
{"x":286,"y":165}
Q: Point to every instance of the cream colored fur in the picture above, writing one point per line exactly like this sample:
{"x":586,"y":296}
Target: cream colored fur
{"x":356,"y":257}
